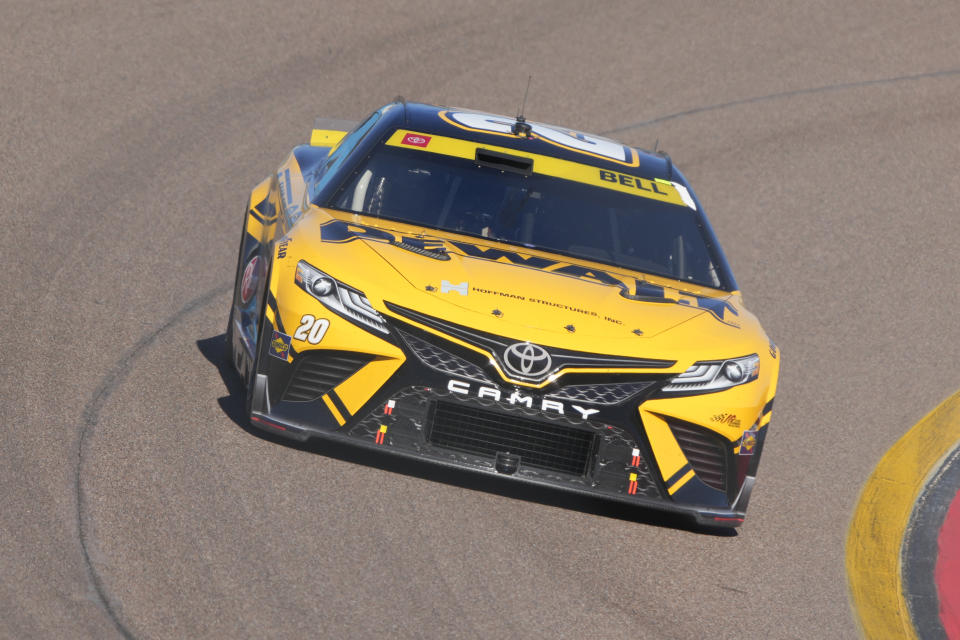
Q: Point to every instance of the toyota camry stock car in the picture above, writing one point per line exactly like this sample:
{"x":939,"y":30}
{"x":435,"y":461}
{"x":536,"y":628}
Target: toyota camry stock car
{"x":505,"y":297}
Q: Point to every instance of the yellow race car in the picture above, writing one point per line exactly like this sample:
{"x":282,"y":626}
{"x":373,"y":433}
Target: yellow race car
{"x":506,"y":297}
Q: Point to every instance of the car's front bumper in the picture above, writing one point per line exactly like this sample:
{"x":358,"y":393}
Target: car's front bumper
{"x":429,"y":413}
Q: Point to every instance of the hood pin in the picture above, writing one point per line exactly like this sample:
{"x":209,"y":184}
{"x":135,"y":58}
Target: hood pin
{"x":570,"y":328}
{"x":497,"y":312}
{"x":638,"y":332}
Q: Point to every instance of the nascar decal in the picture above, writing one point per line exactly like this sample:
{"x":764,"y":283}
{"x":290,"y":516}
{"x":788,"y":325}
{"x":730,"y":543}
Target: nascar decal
{"x":280,"y":345}
{"x":632,"y":288}
{"x":572,"y":140}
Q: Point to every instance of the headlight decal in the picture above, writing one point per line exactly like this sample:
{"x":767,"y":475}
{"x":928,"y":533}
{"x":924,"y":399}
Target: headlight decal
{"x":340,"y":298}
{"x":714,"y":375}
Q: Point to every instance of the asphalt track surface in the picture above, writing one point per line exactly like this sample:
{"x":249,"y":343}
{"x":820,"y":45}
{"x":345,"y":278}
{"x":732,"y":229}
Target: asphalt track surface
{"x":821,"y":137}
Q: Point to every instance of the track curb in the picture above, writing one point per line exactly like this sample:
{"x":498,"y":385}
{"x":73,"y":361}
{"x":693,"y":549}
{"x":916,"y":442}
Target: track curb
{"x":882,"y":518}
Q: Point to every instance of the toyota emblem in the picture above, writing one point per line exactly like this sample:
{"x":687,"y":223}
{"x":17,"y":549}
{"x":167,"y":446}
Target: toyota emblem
{"x":527,"y":360}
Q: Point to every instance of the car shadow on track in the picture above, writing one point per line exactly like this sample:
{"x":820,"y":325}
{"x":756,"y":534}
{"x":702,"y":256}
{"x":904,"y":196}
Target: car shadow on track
{"x":214,"y":350}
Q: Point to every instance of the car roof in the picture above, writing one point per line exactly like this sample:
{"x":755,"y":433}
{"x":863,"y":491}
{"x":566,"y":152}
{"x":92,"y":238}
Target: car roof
{"x":547,"y":139}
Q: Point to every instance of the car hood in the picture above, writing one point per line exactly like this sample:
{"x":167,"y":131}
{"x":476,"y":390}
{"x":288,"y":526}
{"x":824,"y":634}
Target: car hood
{"x":529,"y":296}
{"x":525,"y":293}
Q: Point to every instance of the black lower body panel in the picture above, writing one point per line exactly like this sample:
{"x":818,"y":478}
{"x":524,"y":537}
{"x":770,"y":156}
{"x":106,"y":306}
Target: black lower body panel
{"x":437,"y":426}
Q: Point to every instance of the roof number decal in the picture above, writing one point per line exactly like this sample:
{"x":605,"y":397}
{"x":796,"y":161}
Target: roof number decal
{"x":573,"y":140}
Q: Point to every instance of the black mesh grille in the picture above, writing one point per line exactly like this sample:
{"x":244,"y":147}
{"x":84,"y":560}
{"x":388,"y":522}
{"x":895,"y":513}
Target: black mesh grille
{"x":544,"y":445}
{"x":316,"y":373}
{"x":614,"y":393}
{"x":442,"y":360}
{"x":496,"y":344}
{"x":705,"y":452}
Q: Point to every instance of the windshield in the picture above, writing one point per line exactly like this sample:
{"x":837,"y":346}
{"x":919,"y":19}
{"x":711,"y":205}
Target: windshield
{"x":531,"y":210}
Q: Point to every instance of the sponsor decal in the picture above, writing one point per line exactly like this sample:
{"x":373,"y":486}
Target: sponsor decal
{"x":549,"y":303}
{"x":388,"y":409}
{"x":251,"y":277}
{"x":635,"y":461}
{"x":773,"y":350}
{"x":280,"y":345}
{"x":447,"y":287}
{"x":282,"y":248}
{"x":631,"y":288}
{"x":416,"y":140}
{"x":565,"y":307}
{"x":630,"y":181}
{"x":515,"y":398}
{"x":632,"y":489}
{"x":527,"y":360}
{"x":381,"y":434}
{"x":748,"y":442}
{"x":727,"y":419}
{"x":502,"y":294}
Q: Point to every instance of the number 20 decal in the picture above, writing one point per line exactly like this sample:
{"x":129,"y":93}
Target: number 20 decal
{"x":573,"y":140}
{"x":311,"y":329}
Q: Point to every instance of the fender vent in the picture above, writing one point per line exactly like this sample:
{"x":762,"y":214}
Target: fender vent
{"x":705,"y":451}
{"x":316,"y":372}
